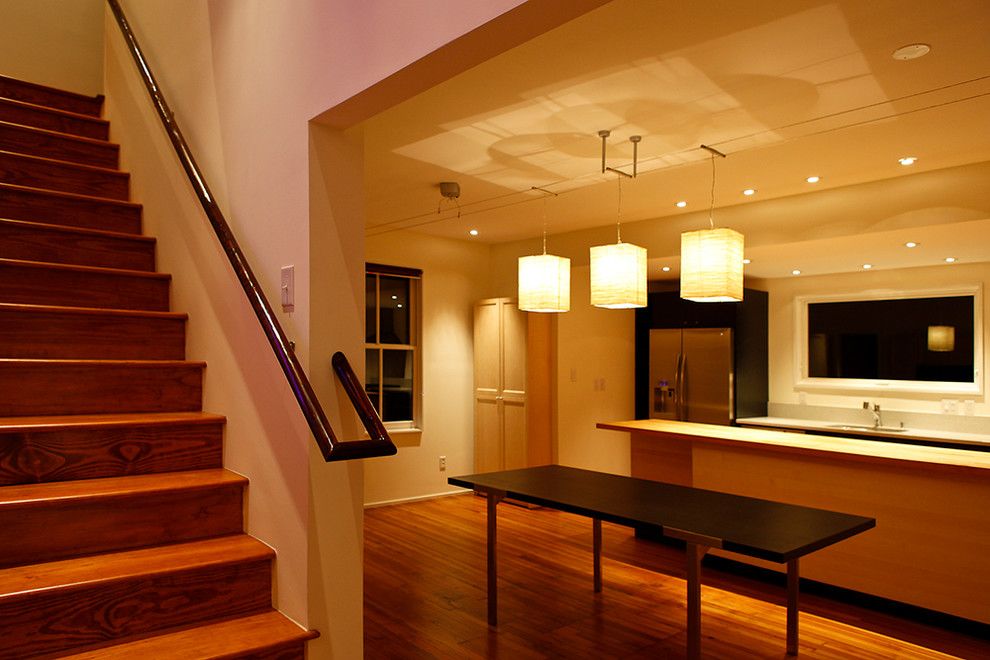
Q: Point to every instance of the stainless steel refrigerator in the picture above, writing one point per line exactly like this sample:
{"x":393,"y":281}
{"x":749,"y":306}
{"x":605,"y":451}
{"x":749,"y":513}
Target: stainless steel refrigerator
{"x":691,"y":375}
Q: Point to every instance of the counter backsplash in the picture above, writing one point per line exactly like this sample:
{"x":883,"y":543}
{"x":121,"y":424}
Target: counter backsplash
{"x":932,"y":421}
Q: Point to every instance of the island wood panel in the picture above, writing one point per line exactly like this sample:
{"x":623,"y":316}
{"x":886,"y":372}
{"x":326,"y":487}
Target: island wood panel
{"x":932,"y":534}
{"x":931,"y":541}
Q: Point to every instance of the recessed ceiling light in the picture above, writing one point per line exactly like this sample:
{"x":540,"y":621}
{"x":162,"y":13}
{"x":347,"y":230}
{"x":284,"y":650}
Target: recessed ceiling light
{"x":795,"y":272}
{"x":867,"y":266}
{"x":907,"y":160}
{"x":399,"y":305}
{"x":910,"y":244}
{"x":950,"y":260}
{"x":813,"y":179}
{"x":749,"y":191}
{"x":747,"y":261}
{"x":395,"y":297}
{"x":666,"y":269}
{"x":911,"y":52}
{"x":680,"y":205}
{"x":473,"y":232}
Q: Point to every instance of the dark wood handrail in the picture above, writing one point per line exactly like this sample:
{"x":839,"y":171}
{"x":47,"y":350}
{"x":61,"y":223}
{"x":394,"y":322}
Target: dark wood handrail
{"x":331,"y":448}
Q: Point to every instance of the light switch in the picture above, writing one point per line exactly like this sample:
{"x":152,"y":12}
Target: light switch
{"x":288,"y":288}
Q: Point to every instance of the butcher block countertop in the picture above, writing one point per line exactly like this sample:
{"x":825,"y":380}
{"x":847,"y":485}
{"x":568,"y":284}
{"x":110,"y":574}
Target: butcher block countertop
{"x":854,"y":449}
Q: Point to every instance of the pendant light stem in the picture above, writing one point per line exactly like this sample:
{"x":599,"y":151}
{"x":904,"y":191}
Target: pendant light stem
{"x":618,"y":214}
{"x":711,"y":209}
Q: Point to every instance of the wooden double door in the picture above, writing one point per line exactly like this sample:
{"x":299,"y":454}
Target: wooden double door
{"x":512,"y":416}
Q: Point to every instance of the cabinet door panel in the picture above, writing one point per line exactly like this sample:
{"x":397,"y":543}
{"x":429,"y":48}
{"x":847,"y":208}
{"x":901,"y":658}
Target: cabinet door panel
{"x":513,"y":348}
{"x":514,"y":432}
{"x":487,"y":345}
{"x":487,"y":432}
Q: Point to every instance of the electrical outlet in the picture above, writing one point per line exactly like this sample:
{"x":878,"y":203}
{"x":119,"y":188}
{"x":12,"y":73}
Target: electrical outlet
{"x":443,"y":463}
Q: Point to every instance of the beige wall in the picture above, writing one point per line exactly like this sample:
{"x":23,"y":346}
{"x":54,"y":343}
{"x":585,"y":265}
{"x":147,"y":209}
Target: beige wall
{"x":455,"y":276}
{"x":782,"y":330}
{"x":53,"y":42}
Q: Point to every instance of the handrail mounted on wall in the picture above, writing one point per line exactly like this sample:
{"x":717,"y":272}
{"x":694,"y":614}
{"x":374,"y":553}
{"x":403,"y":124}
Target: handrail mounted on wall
{"x":332,"y":449}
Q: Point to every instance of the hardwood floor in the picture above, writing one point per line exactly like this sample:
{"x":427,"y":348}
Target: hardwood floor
{"x":425,"y":596}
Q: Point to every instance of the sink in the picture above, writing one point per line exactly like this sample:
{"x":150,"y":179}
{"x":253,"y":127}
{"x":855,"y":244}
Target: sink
{"x":863,"y":427}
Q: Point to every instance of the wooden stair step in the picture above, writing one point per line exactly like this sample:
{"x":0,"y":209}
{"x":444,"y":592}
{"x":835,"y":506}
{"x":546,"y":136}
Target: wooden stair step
{"x":91,"y":601}
{"x":64,"y":176}
{"x":31,"y":282}
{"x":53,"y":119}
{"x":65,"y":447}
{"x":50,"y":521}
{"x":22,"y":90}
{"x":35,"y":241}
{"x":260,"y":637}
{"x":59,"y":387}
{"x":70,"y":209}
{"x":52,"y":144}
{"x":45,"y":332}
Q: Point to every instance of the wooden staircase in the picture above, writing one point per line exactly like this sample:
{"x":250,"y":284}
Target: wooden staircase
{"x":121,"y":535}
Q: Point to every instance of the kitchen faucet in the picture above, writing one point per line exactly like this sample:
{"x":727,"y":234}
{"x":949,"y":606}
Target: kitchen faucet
{"x":875,"y":409}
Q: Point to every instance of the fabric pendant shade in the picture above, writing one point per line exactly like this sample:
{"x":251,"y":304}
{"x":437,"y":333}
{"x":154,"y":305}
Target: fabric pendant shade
{"x":544,"y":283}
{"x":941,"y":338}
{"x":712,"y":265}
{"x":618,"y":276}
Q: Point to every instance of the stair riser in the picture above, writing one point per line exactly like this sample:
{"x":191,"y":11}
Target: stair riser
{"x":295,"y":651}
{"x":33,"y":242}
{"x":52,"y":621}
{"x":53,"y":98}
{"x":39,"y":206}
{"x":69,"y":454}
{"x":40,"y":117}
{"x":55,"y":175}
{"x":25,"y":140}
{"x":64,"y":529}
{"x":72,"y":389}
{"x":50,"y":335}
{"x":52,"y":286}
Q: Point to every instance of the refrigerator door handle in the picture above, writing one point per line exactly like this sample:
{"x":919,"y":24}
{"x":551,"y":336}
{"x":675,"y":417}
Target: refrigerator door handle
{"x":678,"y":387}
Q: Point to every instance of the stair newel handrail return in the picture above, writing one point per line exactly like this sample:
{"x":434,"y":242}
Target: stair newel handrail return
{"x":332,"y":449}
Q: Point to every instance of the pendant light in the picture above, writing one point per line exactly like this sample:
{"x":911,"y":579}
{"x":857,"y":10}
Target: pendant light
{"x":712,"y":259}
{"x":544,"y":279}
{"x":618,"y":272}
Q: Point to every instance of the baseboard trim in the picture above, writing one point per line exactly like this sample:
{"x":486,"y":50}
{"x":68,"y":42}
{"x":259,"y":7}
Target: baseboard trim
{"x":416,"y":498}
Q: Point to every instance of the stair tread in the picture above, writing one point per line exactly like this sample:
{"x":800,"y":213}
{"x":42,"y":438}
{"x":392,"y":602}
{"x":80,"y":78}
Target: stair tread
{"x":143,"y":562}
{"x":109,"y":171}
{"x":109,"y":487}
{"x":69,"y":195}
{"x":54,"y":91}
{"x":86,"y":231}
{"x":95,"y":311}
{"x":88,"y":269}
{"x":68,"y":136}
{"x":225,"y":639}
{"x":95,"y":362}
{"x":56,"y":422}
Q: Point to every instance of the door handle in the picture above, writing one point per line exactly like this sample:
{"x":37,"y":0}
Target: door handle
{"x":677,"y":386}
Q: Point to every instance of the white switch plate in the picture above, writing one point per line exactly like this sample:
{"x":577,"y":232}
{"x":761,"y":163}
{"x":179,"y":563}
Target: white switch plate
{"x":288,"y":288}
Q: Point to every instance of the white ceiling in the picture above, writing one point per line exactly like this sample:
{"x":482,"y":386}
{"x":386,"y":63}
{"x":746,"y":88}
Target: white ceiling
{"x":786,"y":89}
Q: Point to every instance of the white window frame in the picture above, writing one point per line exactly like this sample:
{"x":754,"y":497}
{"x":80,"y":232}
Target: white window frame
{"x":877,"y":386}
{"x":414,"y":345}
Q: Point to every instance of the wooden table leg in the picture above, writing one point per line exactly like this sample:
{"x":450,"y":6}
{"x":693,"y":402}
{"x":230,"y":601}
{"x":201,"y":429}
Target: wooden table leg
{"x":597,"y":534}
{"x":493,"y":499}
{"x":695,"y":552}
{"x":792,"y":607}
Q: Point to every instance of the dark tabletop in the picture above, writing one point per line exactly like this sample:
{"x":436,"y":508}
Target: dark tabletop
{"x":751,"y":526}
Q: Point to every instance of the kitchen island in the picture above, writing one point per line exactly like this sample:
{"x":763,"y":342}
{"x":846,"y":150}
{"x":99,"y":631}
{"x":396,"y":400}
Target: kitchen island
{"x":932,"y":504}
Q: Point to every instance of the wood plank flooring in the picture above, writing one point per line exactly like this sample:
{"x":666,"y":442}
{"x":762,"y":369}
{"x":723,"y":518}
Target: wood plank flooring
{"x":425,"y":596}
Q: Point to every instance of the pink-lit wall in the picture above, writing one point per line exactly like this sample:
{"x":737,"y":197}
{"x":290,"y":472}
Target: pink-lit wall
{"x":244,"y":78}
